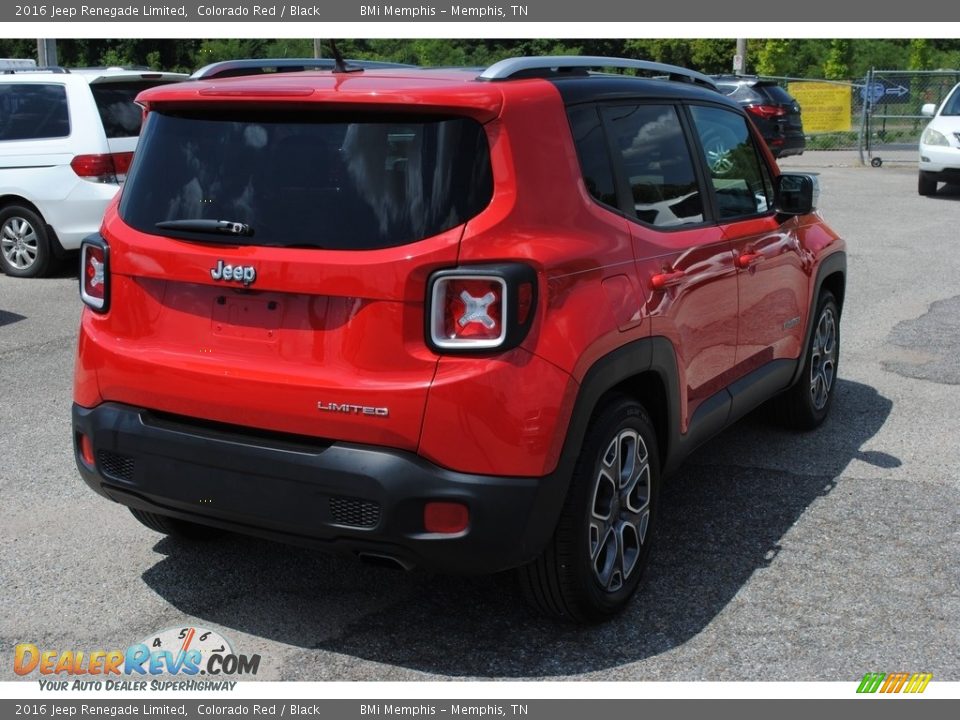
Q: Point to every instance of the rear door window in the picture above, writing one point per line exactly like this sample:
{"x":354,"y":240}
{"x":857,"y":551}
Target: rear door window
{"x":306,"y":179}
{"x":741,"y":182}
{"x":656,"y":161}
{"x":593,"y":153}
{"x":33,"y":111}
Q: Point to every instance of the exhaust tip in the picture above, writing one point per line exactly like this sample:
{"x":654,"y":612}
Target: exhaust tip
{"x":385,"y":560}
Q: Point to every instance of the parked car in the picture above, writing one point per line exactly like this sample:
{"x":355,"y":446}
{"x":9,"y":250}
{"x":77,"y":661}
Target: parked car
{"x":460,"y":319}
{"x":774,"y":111}
{"x":66,"y":139}
{"x":940,"y":144}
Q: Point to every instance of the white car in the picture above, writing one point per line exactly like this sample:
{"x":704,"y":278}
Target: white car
{"x":66,"y":140}
{"x":940,"y":144}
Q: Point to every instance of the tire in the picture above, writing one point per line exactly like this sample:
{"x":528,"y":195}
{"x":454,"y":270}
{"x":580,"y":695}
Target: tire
{"x":926,"y":184}
{"x":601,"y":546}
{"x":174,"y":527}
{"x":807,"y":403}
{"x":24,"y":242}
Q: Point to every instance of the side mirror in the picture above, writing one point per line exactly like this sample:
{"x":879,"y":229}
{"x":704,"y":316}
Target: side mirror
{"x":929,"y":110}
{"x":797,"y":193}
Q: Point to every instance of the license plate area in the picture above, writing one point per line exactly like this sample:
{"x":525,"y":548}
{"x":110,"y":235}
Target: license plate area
{"x":246,"y":317}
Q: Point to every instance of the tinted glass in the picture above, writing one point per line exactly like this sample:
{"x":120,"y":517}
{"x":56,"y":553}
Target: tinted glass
{"x":594,"y":157}
{"x":778,"y":95}
{"x":657,"y":163}
{"x":741,"y":181}
{"x":306,"y":179}
{"x":121,"y":116}
{"x":33,"y":111}
{"x":741,"y":92}
{"x":952,"y":106}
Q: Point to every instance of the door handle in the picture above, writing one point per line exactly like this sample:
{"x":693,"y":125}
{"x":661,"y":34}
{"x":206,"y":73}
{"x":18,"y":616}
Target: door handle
{"x":665,"y":280}
{"x":747,"y":259}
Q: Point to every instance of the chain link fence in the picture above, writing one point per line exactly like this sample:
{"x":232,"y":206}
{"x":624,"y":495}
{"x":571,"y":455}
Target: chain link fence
{"x":878,"y":117}
{"x":891,"y":118}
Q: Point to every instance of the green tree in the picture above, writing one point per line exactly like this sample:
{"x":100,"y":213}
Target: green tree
{"x":837,"y":64}
{"x":773,"y":57}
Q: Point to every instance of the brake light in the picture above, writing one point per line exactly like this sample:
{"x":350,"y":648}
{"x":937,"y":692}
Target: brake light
{"x":103,"y":168}
{"x":95,"y":274}
{"x":767,"y":112}
{"x":471,"y":311}
{"x":480,"y":308}
{"x":121,"y":161}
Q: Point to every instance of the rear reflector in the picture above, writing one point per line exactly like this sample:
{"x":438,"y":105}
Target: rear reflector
{"x":86,"y":449}
{"x":445,"y":517}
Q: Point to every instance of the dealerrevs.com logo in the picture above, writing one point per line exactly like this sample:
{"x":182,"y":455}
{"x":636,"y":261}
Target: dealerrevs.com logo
{"x":901,"y":682}
{"x":184,"y":651}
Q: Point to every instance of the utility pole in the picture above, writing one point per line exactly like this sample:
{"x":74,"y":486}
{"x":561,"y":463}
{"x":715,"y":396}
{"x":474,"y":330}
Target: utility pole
{"x":317,"y":48}
{"x":46,"y":53}
{"x":740,"y":59}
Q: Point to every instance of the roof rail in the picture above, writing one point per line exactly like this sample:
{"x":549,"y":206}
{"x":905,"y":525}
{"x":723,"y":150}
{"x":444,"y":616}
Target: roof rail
{"x":237,"y":68}
{"x":527,"y":66}
{"x":51,"y":69}
{"x":17,"y":63}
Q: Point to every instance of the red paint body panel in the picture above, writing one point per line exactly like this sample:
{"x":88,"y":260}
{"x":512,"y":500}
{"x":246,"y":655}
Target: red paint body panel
{"x":698,"y":313}
{"x":346,"y":328}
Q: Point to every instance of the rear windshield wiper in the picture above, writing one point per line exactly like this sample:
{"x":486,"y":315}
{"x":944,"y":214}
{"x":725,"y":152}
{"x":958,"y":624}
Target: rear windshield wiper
{"x":201,"y":225}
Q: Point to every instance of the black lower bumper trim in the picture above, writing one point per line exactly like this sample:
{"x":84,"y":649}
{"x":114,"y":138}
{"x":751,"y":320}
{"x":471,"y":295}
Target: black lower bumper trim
{"x":337,"y":496}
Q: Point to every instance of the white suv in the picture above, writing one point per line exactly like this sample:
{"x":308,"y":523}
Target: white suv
{"x":940,"y":144}
{"x":66,"y":140}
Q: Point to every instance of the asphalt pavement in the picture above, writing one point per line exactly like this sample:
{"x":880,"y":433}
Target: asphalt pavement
{"x":817,"y":556}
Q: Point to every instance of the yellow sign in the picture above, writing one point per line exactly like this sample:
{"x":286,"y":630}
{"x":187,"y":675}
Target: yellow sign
{"x":825,"y":106}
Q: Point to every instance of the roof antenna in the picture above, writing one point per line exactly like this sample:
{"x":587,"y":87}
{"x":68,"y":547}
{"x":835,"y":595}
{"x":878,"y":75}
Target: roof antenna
{"x":339,"y":66}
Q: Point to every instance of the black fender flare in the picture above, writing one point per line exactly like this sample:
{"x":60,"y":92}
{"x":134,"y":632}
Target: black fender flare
{"x":833,"y":263}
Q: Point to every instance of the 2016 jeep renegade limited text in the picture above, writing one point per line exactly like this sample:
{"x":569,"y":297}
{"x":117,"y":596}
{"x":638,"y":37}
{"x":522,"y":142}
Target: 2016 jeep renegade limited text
{"x":464,"y":320}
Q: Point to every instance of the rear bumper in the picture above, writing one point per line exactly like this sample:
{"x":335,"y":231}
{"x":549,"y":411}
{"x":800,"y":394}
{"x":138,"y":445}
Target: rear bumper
{"x":342,"y":497}
{"x":788,"y":145}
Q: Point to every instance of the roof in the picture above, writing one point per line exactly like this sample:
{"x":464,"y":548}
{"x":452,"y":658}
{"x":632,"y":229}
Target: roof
{"x":481,"y":93}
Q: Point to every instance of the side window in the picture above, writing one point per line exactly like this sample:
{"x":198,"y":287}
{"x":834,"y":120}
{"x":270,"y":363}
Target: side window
{"x":592,"y":151}
{"x":740,"y":179}
{"x":656,"y":161}
{"x":31,"y":111}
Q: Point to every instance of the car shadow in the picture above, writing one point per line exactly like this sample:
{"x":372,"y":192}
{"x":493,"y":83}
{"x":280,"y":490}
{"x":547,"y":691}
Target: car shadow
{"x":722,"y":520}
{"x":9,"y":318}
{"x":947,"y":192}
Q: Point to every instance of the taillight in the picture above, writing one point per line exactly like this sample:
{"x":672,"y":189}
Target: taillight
{"x":95,"y":273}
{"x":480,"y":308}
{"x":121,"y":161}
{"x":103,"y":168}
{"x":767,"y":112}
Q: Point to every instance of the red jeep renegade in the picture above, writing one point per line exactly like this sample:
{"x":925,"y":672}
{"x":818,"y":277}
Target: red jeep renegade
{"x":466,"y":320}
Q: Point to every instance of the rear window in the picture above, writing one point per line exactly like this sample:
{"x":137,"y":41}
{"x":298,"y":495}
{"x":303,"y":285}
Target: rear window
{"x":741,"y":92}
{"x":777,"y":94}
{"x":120,"y":115}
{"x":309,"y":180}
{"x":33,"y":111}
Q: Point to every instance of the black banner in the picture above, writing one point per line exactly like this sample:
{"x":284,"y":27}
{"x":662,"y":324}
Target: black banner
{"x":405,"y":11}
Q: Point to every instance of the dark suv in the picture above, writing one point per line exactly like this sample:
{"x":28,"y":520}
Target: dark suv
{"x":774,"y":111}
{"x":457,"y":319}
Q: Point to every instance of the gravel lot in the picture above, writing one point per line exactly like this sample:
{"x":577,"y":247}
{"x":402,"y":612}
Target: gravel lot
{"x":780,"y":557}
